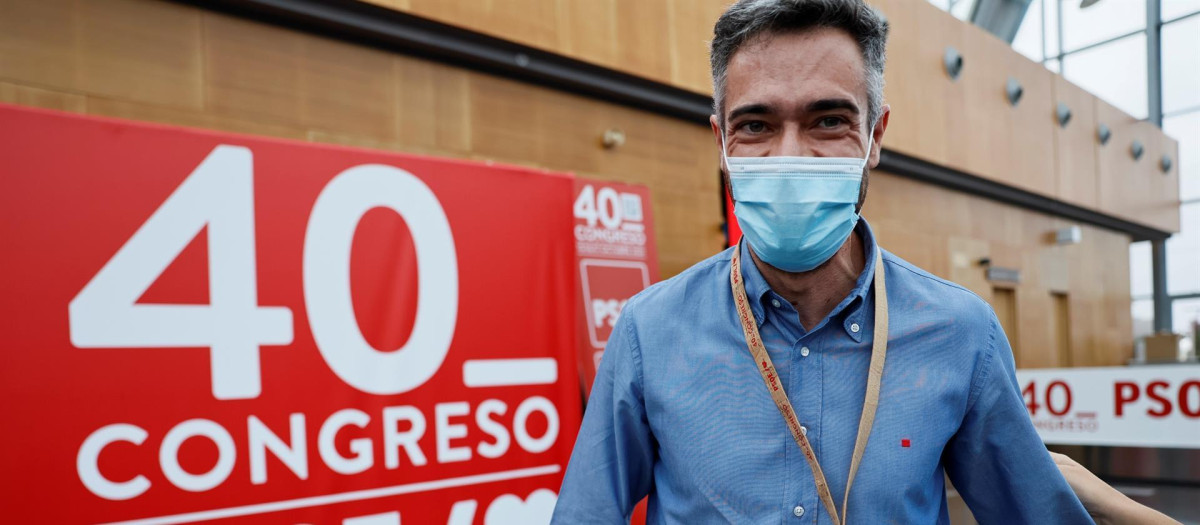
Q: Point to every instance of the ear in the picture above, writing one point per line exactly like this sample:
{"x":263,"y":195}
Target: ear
{"x":716,"y":129}
{"x":877,"y":135}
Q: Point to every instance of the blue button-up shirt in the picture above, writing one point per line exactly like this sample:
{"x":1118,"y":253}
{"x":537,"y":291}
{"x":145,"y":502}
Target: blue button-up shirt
{"x":679,"y":412}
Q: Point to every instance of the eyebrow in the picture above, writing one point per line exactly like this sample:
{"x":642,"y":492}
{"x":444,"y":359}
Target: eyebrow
{"x":825,"y":104}
{"x":750,"y":109}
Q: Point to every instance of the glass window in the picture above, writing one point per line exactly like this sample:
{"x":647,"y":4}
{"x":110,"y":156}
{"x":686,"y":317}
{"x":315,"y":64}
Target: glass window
{"x":1181,"y":64}
{"x":1053,"y":65}
{"x":1050,"y":13}
{"x":1140,"y":277}
{"x":1143,"y":317}
{"x":1028,"y":41}
{"x":1177,"y":8}
{"x":962,"y":9}
{"x":941,"y":4}
{"x":1185,"y":312}
{"x":1115,"y":72}
{"x":1183,"y":253}
{"x":1186,"y":129}
{"x":1100,"y":21}
{"x":1185,"y":317}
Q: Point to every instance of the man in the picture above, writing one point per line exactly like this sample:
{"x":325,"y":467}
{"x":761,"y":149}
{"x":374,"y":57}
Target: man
{"x":688,"y":406}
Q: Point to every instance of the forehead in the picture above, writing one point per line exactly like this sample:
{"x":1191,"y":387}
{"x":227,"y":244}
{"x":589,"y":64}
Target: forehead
{"x":795,"y":68}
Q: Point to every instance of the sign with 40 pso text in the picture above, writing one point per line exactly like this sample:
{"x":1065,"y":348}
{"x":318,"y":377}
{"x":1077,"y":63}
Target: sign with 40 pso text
{"x":202,"y":326}
{"x":1128,"y":406}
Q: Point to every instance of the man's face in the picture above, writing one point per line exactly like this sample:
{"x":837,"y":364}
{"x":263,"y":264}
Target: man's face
{"x":799,"y":94}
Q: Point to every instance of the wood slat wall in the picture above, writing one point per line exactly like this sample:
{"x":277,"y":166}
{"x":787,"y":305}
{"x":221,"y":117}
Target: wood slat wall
{"x":966,"y":124}
{"x":165,"y":62}
{"x":663,"y":40}
{"x":949,"y":233}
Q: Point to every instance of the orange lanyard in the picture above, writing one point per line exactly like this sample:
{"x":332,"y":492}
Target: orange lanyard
{"x":771,"y":378}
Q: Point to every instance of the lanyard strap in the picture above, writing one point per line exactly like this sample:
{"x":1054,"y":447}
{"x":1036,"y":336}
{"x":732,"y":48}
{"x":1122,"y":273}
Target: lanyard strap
{"x":771,"y":378}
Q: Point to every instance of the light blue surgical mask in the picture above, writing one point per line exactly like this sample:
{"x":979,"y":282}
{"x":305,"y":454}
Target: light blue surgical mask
{"x":795,"y":211}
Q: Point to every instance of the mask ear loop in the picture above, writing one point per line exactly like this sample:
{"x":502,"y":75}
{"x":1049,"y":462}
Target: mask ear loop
{"x":724,"y":156}
{"x":870,"y":142}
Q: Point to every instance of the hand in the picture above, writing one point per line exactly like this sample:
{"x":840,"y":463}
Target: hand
{"x":1107,"y":505}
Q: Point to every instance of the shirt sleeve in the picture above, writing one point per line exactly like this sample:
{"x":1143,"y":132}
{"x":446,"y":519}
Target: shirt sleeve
{"x":996,"y":460}
{"x":611,"y":467}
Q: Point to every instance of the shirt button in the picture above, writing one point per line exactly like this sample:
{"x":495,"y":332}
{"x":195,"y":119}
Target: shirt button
{"x":804,"y":351}
{"x":854,"y":327}
{"x":775,"y":303}
{"x":803,"y":430}
{"x":798,"y":511}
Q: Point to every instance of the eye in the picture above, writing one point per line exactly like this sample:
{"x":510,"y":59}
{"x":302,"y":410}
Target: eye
{"x":754,"y":127}
{"x":831,"y":122}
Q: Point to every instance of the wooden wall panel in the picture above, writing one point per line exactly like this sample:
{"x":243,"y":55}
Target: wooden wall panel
{"x":926,"y":104}
{"x":979,"y":127}
{"x":433,"y":104}
{"x":530,"y":22}
{"x":42,"y":98}
{"x":402,"y":5}
{"x":1145,"y":178}
{"x":691,"y":31}
{"x":1162,"y":204}
{"x":39,"y":42}
{"x":588,"y":31}
{"x":1062,"y":329}
{"x":1137,"y":189}
{"x":1117,"y":190}
{"x":284,"y":77}
{"x":1076,"y":145}
{"x":949,"y":241}
{"x":1030,"y":130}
{"x":106,"y":107}
{"x":1004,"y":304}
{"x":643,"y":42}
{"x":965,"y":124}
{"x":663,"y":40}
{"x":142,"y":60}
{"x":905,"y":75}
{"x":124,"y":49}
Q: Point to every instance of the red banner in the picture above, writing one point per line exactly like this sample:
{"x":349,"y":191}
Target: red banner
{"x":614,"y":242}
{"x":733,"y":230}
{"x":203,"y":325}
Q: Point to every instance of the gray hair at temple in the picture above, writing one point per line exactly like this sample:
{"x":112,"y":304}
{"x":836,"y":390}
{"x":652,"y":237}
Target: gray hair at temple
{"x":748,"y":19}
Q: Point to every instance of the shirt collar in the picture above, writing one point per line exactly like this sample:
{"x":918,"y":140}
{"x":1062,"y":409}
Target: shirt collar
{"x":855,"y":304}
{"x":757,"y":288}
{"x":756,"y":284}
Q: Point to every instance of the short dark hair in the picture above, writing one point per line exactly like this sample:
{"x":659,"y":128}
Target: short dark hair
{"x":747,"y":19}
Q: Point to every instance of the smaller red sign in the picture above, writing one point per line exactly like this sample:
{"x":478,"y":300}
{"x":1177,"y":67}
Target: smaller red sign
{"x":614,"y":244}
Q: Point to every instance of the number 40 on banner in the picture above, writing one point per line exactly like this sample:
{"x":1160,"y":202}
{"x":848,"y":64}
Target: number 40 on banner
{"x":219,"y":195}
